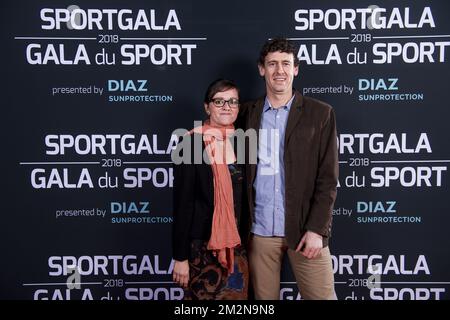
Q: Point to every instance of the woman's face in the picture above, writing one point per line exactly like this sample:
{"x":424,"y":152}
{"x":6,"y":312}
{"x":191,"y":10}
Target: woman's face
{"x":227,"y":114}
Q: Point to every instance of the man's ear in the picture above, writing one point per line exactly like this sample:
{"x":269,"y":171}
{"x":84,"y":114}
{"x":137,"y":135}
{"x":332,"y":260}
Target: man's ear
{"x":261,"y":69}
{"x":206,"y":108}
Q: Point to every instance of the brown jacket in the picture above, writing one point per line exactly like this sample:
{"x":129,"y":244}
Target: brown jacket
{"x":311,"y":166}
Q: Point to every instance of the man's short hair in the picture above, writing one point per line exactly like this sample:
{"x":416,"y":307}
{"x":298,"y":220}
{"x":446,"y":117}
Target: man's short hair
{"x":278,"y":44}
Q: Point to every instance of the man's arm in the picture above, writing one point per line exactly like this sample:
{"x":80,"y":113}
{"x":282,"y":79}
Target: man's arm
{"x":318,"y":224}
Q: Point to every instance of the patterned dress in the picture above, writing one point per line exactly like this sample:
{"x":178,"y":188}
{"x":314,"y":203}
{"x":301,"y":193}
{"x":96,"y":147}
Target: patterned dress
{"x":208,"y":279}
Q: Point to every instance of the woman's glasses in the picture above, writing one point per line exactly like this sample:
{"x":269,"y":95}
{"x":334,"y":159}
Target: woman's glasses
{"x":233,"y":103}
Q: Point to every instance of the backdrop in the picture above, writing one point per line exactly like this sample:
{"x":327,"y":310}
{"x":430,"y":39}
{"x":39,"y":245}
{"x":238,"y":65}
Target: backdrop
{"x":93,"y":90}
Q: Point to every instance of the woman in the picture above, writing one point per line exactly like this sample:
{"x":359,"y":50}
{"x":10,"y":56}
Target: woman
{"x":210,"y":262}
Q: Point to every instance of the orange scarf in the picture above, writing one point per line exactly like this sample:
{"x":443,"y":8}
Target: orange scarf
{"x":224,"y":233}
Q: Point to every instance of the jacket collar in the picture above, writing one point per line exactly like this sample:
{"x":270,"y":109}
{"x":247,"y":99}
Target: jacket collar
{"x":295,"y":112}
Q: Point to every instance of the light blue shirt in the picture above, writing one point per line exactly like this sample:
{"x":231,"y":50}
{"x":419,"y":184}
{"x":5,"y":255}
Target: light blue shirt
{"x":269,"y":181}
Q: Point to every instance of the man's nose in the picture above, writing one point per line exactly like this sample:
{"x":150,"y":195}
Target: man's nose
{"x":279,"y":68}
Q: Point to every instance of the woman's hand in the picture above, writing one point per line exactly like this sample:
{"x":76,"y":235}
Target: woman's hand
{"x":181,"y":273}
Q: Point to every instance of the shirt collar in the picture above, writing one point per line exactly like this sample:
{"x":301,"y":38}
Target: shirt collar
{"x":268,"y":106}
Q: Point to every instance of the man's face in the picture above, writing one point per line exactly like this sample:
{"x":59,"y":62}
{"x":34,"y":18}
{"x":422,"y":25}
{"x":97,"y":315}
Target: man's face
{"x":279,"y":72}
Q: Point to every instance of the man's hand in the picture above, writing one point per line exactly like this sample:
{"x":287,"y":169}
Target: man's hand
{"x":313,"y":244}
{"x":181,"y":273}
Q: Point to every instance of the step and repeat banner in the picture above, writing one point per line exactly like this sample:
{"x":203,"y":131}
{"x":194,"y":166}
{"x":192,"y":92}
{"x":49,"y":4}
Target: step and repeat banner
{"x":93,"y":90}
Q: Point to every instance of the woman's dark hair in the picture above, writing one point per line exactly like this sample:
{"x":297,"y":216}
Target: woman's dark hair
{"x":219,"y":85}
{"x":278,"y":44}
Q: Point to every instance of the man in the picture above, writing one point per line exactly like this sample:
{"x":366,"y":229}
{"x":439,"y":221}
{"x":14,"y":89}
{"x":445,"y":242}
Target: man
{"x":292,"y":188}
